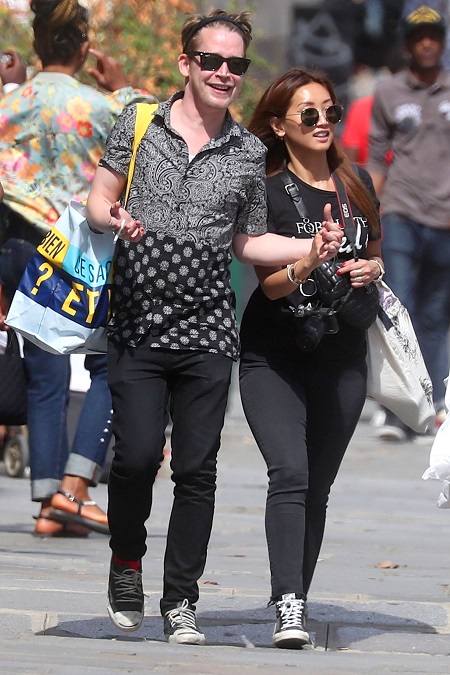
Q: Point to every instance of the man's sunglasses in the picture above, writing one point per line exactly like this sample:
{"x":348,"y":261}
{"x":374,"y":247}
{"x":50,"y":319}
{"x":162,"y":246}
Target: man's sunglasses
{"x":310,"y":116}
{"x":236,"y":64}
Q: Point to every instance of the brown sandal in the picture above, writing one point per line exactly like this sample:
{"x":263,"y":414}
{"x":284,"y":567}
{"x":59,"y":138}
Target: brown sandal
{"x":44,"y":528}
{"x":65,"y":516}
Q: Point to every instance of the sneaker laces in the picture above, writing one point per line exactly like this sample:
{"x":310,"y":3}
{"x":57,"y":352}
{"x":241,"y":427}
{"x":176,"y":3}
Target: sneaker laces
{"x":291,"y":612}
{"x":128,"y":585}
{"x":182,"y":617}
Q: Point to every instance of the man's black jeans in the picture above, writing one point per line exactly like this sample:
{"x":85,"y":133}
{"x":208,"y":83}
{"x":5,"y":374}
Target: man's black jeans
{"x":145,"y":383}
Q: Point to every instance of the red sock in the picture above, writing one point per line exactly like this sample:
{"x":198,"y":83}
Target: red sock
{"x":134,"y":564}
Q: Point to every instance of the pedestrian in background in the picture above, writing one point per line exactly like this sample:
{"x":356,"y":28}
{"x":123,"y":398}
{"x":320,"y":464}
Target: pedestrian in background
{"x":197,"y":192}
{"x":355,"y":133}
{"x":411,"y":117}
{"x":53,"y":133}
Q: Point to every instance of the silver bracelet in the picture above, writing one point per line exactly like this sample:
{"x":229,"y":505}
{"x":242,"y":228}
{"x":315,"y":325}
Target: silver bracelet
{"x":291,"y":274}
{"x":382,"y":270}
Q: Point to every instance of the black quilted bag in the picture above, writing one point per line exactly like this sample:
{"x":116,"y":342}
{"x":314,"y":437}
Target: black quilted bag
{"x":13,"y":392}
{"x":357,"y":306}
{"x":331,"y":286}
{"x":360,"y":309}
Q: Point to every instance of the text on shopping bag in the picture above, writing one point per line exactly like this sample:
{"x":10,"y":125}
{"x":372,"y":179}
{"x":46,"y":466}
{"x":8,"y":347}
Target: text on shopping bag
{"x":57,"y":248}
{"x":53,"y":287}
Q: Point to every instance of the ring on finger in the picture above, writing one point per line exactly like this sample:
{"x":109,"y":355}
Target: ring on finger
{"x":358,"y":278}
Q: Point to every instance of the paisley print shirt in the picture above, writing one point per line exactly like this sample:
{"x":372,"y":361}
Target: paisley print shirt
{"x":174,"y":285}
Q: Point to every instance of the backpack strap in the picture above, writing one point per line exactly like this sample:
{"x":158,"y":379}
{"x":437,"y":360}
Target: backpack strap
{"x":144,"y":115}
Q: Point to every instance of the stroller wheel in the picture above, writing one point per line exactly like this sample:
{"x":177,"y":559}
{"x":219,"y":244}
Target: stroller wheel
{"x":16,"y":456}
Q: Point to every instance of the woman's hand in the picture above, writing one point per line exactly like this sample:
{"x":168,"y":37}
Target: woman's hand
{"x":109,"y":73}
{"x":362,"y":272}
{"x":13,"y":69}
{"x":123,"y":225}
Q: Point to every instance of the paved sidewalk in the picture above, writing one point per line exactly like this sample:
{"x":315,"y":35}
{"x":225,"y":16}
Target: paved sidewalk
{"x":365,"y":618}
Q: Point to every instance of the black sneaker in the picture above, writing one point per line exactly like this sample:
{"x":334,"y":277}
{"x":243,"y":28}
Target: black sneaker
{"x":180,"y":625}
{"x":126,"y":597}
{"x":290,"y":628}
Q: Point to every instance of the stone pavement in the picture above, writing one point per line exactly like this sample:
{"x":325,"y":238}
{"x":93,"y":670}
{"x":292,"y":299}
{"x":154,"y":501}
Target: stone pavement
{"x":379,"y":602}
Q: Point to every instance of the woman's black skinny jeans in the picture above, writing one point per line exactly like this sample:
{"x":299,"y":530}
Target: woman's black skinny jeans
{"x":303,"y":413}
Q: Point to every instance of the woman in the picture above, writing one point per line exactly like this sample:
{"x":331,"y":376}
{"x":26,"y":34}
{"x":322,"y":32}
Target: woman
{"x":303,"y":407}
{"x":53,"y":135}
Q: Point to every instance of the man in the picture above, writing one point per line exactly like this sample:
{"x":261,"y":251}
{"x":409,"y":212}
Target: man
{"x":198,"y":190}
{"x":411,"y":117}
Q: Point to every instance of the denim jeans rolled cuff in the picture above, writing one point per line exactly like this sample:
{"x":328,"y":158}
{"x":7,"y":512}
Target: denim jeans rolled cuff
{"x":94,"y":427}
{"x":44,"y":488}
{"x":77,"y":465}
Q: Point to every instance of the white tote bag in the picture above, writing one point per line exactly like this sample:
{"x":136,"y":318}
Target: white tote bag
{"x":397,"y":376}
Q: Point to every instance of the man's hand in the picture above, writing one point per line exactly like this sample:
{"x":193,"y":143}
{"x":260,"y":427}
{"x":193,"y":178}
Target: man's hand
{"x":123,"y":225}
{"x":13,"y":70}
{"x":109,"y":73}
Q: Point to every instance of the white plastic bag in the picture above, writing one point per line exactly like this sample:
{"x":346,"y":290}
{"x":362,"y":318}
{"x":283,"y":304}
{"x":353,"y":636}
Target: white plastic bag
{"x":439,"y":468}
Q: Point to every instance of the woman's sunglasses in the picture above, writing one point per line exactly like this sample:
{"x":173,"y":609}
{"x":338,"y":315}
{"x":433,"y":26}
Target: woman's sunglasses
{"x":310,"y":116}
{"x":236,"y":64}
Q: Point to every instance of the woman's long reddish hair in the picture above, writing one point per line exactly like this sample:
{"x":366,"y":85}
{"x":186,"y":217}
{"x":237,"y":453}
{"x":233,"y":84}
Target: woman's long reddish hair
{"x":275,"y":102}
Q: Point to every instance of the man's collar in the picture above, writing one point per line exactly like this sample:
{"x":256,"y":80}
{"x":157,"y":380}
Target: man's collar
{"x":442,"y":80}
{"x":230,"y":128}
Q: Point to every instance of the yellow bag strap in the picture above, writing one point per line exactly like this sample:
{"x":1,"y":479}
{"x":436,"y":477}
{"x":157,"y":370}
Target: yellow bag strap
{"x":144,"y":115}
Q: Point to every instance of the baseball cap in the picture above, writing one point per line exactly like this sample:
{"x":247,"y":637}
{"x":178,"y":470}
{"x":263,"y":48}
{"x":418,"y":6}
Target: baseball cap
{"x":423,"y":16}
{"x":14,"y":257}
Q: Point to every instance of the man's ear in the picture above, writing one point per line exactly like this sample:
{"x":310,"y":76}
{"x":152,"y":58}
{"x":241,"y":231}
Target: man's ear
{"x":184,"y":64}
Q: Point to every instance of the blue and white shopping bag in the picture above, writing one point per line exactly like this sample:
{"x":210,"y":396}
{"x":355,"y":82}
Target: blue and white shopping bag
{"x":62,"y":302}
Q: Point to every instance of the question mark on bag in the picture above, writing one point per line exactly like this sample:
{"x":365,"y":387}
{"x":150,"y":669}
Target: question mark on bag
{"x":47,"y":272}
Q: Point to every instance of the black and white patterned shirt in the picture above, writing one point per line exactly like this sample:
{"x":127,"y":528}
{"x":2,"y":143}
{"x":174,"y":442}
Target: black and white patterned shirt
{"x":174,"y":285}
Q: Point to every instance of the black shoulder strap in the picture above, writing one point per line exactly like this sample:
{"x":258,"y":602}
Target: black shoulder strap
{"x":344,"y":204}
{"x":294,"y":193}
